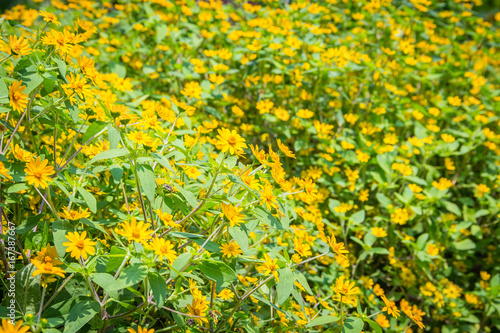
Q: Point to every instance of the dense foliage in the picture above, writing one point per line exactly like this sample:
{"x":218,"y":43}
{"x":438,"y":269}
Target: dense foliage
{"x":302,"y":166}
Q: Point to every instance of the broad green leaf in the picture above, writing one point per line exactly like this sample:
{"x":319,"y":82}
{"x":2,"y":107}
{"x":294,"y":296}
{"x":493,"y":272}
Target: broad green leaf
{"x":159,"y":288}
{"x":92,"y":130}
{"x":147,"y":180}
{"x":451,"y":207}
{"x":131,"y":275}
{"x":59,"y":231}
{"x":219,"y":272}
{"x":105,"y":281}
{"x":284,"y":286}
{"x":179,"y":264}
{"x":89,"y":199}
{"x":240,"y":237}
{"x":112,"y":153}
{"x":80,"y":315}
{"x":466,"y":244}
{"x":373,"y":325}
{"x":358,"y":217}
{"x":189,"y":196}
{"x":352,"y":325}
{"x":303,"y":281}
{"x":323,"y":320}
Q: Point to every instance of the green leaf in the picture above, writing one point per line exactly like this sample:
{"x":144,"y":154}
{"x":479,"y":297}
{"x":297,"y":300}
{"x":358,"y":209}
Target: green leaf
{"x":373,"y":325}
{"x":89,"y":199}
{"x":303,"y":281}
{"x":32,"y":81}
{"x":358,"y":217}
{"x":4,"y":91}
{"x":241,"y":238}
{"x":179,"y":264}
{"x":113,"y":137}
{"x":352,"y":325}
{"x":267,"y":218}
{"x":93,"y":129}
{"x":80,"y":314}
{"x":323,"y":320}
{"x":189,"y":196}
{"x":61,"y":65}
{"x":219,"y":272}
{"x":465,"y":244}
{"x":163,"y":161}
{"x":131,"y":275}
{"x":284,"y":286}
{"x":17,"y":188}
{"x":161,"y":33}
{"x":105,"y":281}
{"x":159,"y":288}
{"x":147,"y":180}
{"x":73,"y":110}
{"x":112,"y":153}
{"x":451,"y":207}
{"x":59,"y":230}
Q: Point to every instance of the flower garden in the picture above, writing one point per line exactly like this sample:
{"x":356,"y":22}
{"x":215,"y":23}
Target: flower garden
{"x":266,"y":166}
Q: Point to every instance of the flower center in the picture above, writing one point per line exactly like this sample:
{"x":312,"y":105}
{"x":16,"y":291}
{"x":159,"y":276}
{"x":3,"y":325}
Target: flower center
{"x":136,"y":234}
{"x":232,"y":141}
{"x":80,"y":245}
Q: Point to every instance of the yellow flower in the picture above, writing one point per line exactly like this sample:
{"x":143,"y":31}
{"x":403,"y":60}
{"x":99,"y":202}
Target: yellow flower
{"x":226,"y":294}
{"x":18,"y":100}
{"x":338,"y":248}
{"x":230,"y":249}
{"x":382,"y":321}
{"x":267,"y":197}
{"x":49,"y":17}
{"x":344,"y":287}
{"x":481,"y":190}
{"x":269,"y":266}
{"x":305,"y":114}
{"x":79,"y":245}
{"x":230,"y":141}
{"x":233,"y":214}
{"x":19,"y":46}
{"x":8,"y":327}
{"x":285,"y":149}
{"x":443,"y":184}
{"x":167,"y":219}
{"x":163,"y":248}
{"x":432,"y":249}
{"x":38,"y":173}
{"x":134,"y":231}
{"x":378,"y":232}
{"x":447,"y":138}
{"x":197,"y":308}
{"x":390,"y":307}
{"x":485,"y":276}
{"x":192,"y":90}
{"x":141,"y":330}
{"x":4,"y":172}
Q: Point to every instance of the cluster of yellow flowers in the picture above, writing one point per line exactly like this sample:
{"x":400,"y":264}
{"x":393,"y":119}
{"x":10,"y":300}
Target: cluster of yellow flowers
{"x":251,"y":166}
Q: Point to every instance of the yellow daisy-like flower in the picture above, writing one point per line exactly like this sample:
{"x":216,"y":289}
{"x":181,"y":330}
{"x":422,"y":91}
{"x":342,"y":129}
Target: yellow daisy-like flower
{"x":46,"y":268}
{"x":285,"y":149}
{"x":134,"y":231}
{"x":50,"y":17}
{"x":18,"y":100}
{"x":198,"y":308}
{"x":230,"y":141}
{"x":233,"y":214}
{"x":4,"y":172}
{"x":230,"y":249}
{"x":79,"y":245}
{"x":141,"y":330}
{"x":8,"y":327}
{"x":163,"y":248}
{"x":38,"y":172}
{"x":19,"y":46}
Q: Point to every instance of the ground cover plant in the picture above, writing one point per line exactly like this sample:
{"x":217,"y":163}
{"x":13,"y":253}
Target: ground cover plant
{"x":208,"y":166}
